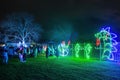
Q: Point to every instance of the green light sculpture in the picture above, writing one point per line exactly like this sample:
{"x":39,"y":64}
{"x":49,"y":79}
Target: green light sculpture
{"x":87,"y":50}
{"x":107,"y":45}
{"x":77,"y":49}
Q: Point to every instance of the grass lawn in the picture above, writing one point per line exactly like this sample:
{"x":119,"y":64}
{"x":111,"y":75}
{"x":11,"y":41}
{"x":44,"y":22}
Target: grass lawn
{"x":62,"y":68}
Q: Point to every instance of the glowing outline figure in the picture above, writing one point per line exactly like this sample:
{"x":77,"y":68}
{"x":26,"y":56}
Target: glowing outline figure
{"x":63,"y":48}
{"x":108,"y":43}
{"x":77,"y":49}
{"x":51,"y":50}
{"x":87,"y":50}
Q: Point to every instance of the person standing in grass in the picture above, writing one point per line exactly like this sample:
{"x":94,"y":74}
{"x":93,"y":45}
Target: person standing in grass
{"x":35,"y":51}
{"x":57,"y":52}
{"x":5,"y":55}
{"x":31,"y":51}
{"x":20,"y":52}
{"x":24,"y":53}
{"x":47,"y":51}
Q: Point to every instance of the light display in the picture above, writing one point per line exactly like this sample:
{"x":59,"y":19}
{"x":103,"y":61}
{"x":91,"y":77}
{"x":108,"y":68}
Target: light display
{"x":44,"y":47}
{"x":22,"y":44}
{"x":87,"y":50}
{"x":52,"y":50}
{"x":97,"y":42}
{"x":107,"y":47}
{"x":19,"y":44}
{"x":77,"y":49}
{"x":63,"y":48}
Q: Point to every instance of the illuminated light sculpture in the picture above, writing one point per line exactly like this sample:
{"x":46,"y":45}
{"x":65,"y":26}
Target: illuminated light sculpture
{"x":19,"y":44}
{"x":52,"y":50}
{"x":97,"y":42}
{"x":77,"y":49}
{"x":22,"y":44}
{"x":87,"y":50}
{"x":44,"y":47}
{"x":109,"y":43}
{"x":63,"y":48}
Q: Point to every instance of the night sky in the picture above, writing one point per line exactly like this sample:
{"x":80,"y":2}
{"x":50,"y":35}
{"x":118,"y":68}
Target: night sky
{"x":86,"y":16}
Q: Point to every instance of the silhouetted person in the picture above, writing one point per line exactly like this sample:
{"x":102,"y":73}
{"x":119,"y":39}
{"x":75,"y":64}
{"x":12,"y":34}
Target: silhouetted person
{"x":35,"y":51}
{"x":31,"y":51}
{"x":24,"y":54}
{"x":5,"y":55}
{"x":11,"y":51}
{"x":20,"y":52}
{"x":47,"y":51}
{"x":57,"y":53}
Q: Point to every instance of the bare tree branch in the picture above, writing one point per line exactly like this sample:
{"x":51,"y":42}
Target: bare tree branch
{"x":22,"y":27}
